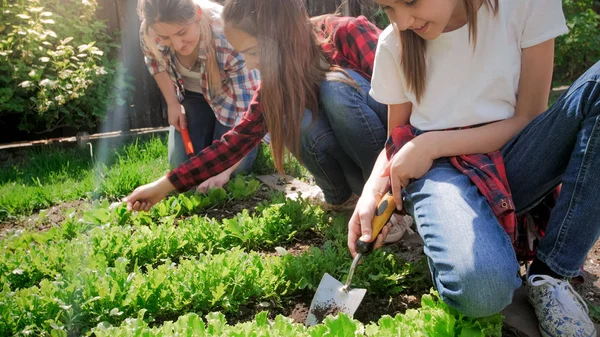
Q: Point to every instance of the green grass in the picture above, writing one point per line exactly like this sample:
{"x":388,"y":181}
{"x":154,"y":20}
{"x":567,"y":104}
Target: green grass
{"x":594,"y":312}
{"x":49,"y":175}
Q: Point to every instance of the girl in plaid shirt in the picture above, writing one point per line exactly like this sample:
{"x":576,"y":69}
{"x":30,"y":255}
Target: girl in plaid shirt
{"x":205,"y":82}
{"x":313,"y":100}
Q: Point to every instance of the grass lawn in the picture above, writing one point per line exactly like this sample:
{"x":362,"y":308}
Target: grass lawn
{"x":40,"y":177}
{"x":36,"y":178}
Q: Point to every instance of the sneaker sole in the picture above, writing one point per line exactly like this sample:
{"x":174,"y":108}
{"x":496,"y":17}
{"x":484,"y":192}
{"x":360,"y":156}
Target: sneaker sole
{"x":545,"y":334}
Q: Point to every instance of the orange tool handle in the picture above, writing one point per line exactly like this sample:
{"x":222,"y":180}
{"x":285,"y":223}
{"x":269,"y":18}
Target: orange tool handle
{"x":384,"y":212}
{"x":187,"y":142}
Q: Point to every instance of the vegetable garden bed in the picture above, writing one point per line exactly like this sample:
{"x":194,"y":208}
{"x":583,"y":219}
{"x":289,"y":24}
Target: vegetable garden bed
{"x":240,"y":261}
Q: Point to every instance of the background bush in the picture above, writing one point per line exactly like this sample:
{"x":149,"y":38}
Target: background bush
{"x":580,"y":49}
{"x":576,"y":51}
{"x":55,"y":64}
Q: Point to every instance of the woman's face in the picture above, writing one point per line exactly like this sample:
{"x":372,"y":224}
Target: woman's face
{"x":181,"y":38}
{"x":427,"y":18}
{"x":244,"y":44}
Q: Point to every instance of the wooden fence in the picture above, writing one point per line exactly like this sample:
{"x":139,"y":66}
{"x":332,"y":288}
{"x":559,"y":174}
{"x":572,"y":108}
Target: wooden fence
{"x":147,"y":108}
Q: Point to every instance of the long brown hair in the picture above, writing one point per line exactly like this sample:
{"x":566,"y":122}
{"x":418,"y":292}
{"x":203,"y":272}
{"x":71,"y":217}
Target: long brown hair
{"x":291,"y":65}
{"x":413,"y":48}
{"x":183,"y":12}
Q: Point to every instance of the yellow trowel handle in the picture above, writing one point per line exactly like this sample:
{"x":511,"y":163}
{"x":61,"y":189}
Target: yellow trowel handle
{"x":382,"y":215}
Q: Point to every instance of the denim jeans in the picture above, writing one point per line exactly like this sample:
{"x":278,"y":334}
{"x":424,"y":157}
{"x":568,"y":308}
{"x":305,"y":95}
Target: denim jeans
{"x":470,"y":256}
{"x":341,"y":145}
{"x":203,"y":128}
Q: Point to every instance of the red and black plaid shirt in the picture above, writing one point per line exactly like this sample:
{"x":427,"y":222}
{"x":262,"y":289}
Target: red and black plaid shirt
{"x":351,"y":44}
{"x":486,"y":171}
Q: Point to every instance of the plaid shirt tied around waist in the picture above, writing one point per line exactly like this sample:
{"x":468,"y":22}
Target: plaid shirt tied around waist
{"x":486,"y":171}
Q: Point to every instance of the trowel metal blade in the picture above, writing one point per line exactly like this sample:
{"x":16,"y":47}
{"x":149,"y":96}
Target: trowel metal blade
{"x":331,"y":299}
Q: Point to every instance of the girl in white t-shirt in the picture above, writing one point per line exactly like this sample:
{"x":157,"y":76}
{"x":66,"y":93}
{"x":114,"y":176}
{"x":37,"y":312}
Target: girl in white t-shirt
{"x":467,"y":81}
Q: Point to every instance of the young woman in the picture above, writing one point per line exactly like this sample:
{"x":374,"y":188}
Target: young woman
{"x":472,"y":78}
{"x":313,"y":100}
{"x":205,"y":82}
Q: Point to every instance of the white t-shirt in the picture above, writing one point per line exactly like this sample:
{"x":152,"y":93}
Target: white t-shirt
{"x":466,"y":87}
{"x":192,"y":80}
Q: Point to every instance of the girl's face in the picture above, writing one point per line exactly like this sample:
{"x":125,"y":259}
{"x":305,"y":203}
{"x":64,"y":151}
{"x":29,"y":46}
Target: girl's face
{"x":244,"y":44}
{"x":181,"y":38}
{"x":427,"y":18}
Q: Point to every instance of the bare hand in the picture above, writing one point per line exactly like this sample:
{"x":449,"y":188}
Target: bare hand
{"x":177,"y":118}
{"x":146,"y":196}
{"x":214,"y":182}
{"x":412,"y":161}
{"x":360,"y":222}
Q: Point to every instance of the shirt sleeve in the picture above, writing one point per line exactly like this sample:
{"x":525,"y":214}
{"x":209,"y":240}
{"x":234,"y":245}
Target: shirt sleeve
{"x":544,"y":21}
{"x":154,"y":64}
{"x":387,"y":84}
{"x":223,"y":153}
{"x":357,"y":41}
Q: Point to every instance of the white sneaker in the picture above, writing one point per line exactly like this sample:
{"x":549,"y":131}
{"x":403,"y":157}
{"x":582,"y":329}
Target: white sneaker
{"x":316,"y":197}
{"x":559,"y":308}
{"x":400,"y":225}
{"x":348,"y":205}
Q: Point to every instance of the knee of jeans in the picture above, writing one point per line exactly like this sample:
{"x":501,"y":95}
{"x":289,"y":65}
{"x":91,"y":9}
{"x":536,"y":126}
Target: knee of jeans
{"x":315,"y":140}
{"x":478,"y":292}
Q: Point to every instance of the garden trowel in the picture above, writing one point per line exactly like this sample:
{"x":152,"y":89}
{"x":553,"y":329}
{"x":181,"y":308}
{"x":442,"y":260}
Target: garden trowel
{"x":332,"y":296}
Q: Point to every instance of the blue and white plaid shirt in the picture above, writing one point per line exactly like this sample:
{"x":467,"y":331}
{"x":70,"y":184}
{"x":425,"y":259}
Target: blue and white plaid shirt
{"x":239,"y":83}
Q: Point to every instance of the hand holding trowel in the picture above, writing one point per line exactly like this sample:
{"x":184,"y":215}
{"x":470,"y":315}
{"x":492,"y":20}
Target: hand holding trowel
{"x":332,"y":296}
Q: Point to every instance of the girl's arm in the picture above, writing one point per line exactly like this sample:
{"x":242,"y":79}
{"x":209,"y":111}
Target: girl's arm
{"x":157,"y":66}
{"x":216,"y":158}
{"x":534,"y":87}
{"x":175,"y":110}
{"x":376,"y":187}
{"x":166,"y":88}
{"x":398,"y":115}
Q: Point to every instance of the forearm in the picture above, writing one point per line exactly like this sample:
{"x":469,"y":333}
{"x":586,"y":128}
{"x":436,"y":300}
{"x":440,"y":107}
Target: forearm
{"x":377,"y":184}
{"x":164,"y":186}
{"x":398,"y":115}
{"x":233,"y":167}
{"x":166,"y":87}
{"x":480,"y":140}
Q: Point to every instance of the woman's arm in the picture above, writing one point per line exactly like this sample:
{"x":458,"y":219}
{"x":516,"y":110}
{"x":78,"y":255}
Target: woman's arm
{"x":216,"y":158}
{"x":166,"y":87}
{"x":534,"y":87}
{"x":157,"y":66}
{"x":175,"y":110}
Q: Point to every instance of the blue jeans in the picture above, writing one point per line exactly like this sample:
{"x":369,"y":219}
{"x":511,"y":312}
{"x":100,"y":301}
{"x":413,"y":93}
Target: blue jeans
{"x":341,"y":145}
{"x":203,"y":128}
{"x":470,"y":256}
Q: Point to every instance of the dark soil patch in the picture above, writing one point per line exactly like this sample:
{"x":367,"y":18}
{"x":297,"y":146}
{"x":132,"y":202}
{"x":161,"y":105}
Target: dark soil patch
{"x":370,"y":310}
{"x":44,"y":219}
{"x":328,"y":308}
{"x":590,"y":288}
{"x":304,"y":241}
